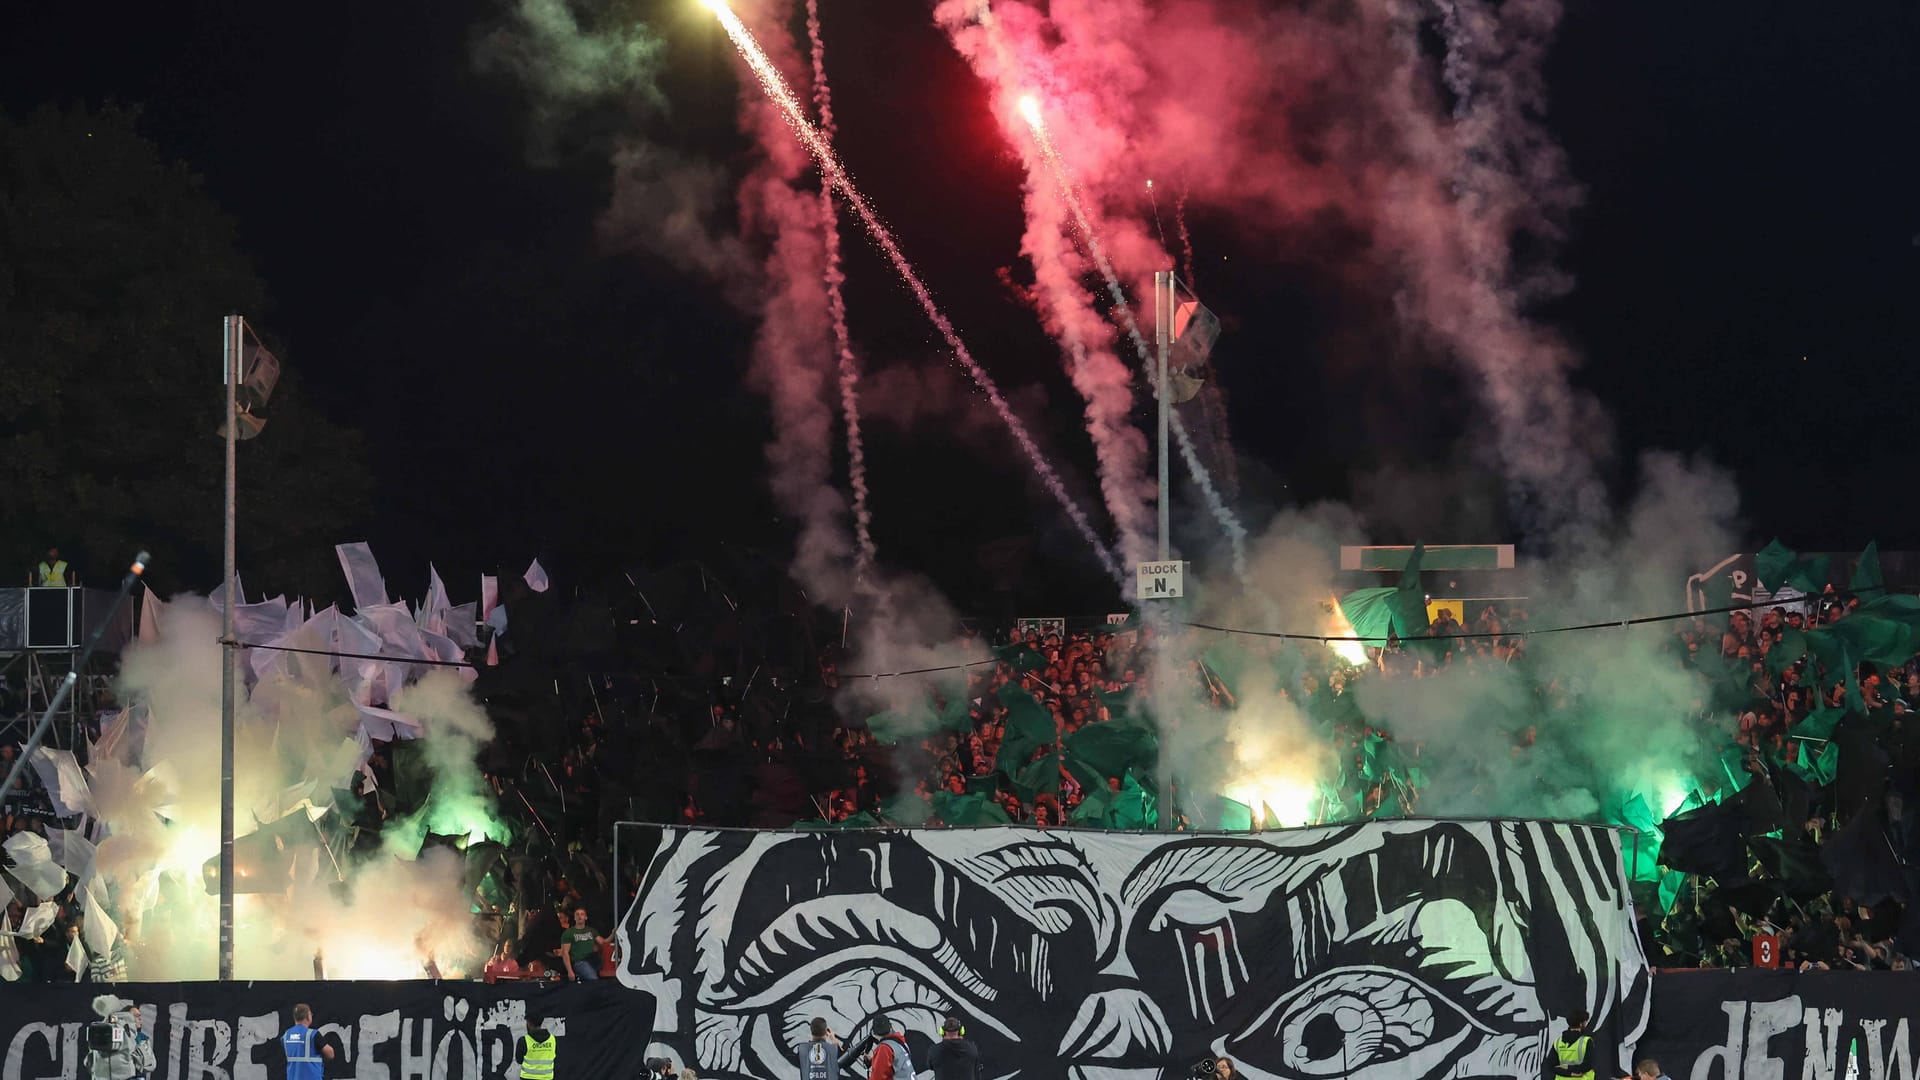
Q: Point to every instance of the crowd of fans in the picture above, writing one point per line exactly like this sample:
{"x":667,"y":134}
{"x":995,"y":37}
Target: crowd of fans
{"x":738,"y":719}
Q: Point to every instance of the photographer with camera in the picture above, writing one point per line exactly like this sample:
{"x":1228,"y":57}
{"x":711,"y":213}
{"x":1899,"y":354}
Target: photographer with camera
{"x":661,"y":1069}
{"x":891,"y":1061}
{"x":116,"y":1047}
{"x":819,"y":1056}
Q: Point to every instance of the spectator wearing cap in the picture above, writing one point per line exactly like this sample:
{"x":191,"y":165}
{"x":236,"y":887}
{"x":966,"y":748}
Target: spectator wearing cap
{"x":891,"y":1061}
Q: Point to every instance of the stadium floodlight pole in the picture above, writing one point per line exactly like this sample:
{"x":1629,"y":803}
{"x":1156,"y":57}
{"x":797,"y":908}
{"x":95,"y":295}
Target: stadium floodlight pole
{"x":234,"y":327}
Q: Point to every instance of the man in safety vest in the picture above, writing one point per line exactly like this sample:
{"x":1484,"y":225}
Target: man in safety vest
{"x":891,"y":1061}
{"x":536,"y":1051}
{"x":1571,"y":1050}
{"x":819,"y":1056}
{"x":305,"y":1061}
{"x":52,"y":571}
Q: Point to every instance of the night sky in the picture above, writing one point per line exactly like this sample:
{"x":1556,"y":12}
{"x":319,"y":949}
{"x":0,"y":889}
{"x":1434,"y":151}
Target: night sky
{"x":1747,"y":267}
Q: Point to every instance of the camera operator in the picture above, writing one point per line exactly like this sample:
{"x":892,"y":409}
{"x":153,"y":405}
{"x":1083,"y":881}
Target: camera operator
{"x":661,"y":1069}
{"x":116,"y":1047}
{"x":954,"y":1057}
{"x":891,"y":1061}
{"x":819,"y":1056}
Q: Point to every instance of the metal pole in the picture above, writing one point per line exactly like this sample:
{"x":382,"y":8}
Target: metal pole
{"x":1162,"y":614}
{"x":228,"y":655}
{"x":1163,"y":333}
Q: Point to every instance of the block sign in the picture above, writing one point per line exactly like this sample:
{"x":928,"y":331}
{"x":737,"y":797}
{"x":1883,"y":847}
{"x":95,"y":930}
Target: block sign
{"x":1160,"y":580}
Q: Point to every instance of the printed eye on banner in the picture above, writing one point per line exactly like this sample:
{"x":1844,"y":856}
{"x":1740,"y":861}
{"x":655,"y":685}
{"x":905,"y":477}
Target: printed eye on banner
{"x":1364,"y":951}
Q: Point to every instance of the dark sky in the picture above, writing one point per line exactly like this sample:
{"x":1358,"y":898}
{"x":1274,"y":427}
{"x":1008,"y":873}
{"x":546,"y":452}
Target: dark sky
{"x":1748,"y":267}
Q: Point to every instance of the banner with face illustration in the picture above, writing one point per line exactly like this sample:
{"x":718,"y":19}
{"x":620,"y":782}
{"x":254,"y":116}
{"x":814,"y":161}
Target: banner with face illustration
{"x":1402,"y":950}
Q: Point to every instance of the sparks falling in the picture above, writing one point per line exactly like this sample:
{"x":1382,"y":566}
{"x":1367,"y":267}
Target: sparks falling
{"x":783,"y":98}
{"x":1236,"y":533}
{"x":864,"y":550}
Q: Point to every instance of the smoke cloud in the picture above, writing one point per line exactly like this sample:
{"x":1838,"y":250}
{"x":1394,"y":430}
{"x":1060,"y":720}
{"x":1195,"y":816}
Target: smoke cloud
{"x":156,"y":781}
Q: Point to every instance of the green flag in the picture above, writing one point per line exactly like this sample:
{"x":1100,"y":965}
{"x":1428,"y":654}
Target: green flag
{"x":1029,"y":727}
{"x":968,"y":810}
{"x":1234,"y":816}
{"x":1038,"y":777}
{"x":1112,"y":748}
{"x":1778,"y":565}
{"x":1867,"y":579}
{"x":1818,"y":764}
{"x":908,"y":808}
{"x":1024,"y":658}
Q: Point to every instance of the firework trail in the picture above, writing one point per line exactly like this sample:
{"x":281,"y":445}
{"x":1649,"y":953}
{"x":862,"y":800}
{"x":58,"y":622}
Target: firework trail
{"x":789,"y":106}
{"x":1236,"y":533}
{"x":864,"y":551}
{"x":1186,"y":239}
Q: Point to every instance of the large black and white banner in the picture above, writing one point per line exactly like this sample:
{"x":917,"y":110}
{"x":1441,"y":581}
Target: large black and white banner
{"x":1783,"y":1025}
{"x":379,"y":1030}
{"x":1404,"y":950}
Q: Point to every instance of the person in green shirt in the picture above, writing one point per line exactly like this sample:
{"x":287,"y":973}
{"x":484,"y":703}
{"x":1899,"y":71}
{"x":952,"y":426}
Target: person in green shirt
{"x":580,"y":948}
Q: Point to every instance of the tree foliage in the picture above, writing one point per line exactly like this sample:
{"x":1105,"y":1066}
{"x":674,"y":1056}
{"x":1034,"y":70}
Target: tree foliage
{"x":115,"y":270}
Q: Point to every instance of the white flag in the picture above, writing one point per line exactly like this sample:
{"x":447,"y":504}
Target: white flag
{"x":33,"y":865}
{"x":100,"y":930}
{"x":537,"y":577}
{"x":9,"y":951}
{"x":37,"y":919}
{"x":76,"y":958}
{"x":363,"y":575}
{"x":433,"y":614}
{"x":66,"y":784}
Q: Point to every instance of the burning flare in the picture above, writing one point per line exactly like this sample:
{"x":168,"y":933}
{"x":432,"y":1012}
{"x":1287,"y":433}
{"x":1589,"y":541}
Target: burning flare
{"x":1337,"y":626}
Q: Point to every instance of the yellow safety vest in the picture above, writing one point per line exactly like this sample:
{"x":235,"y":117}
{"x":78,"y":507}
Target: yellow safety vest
{"x":1571,"y":1053}
{"x":539,"y":1063}
{"x":54,"y":576}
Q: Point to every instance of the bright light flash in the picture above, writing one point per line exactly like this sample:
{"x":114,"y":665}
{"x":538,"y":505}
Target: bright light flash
{"x":715,"y":6}
{"x":1030,"y":109}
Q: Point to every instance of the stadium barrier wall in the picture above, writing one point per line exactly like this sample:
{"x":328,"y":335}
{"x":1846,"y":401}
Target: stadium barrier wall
{"x":379,"y":1030}
{"x":1761,"y":1024}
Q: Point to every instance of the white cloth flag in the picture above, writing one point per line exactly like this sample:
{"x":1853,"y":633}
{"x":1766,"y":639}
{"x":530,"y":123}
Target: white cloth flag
{"x":363,"y":575}
{"x":150,"y":606}
{"x":461,"y":622}
{"x":73,"y":851}
{"x":537,"y":577}
{"x":9,"y":951}
{"x":6,"y":894}
{"x":217,"y":599}
{"x":33,"y":865}
{"x":489,"y":594}
{"x":433,"y":614}
{"x":260,"y":624}
{"x":76,"y":958}
{"x":100,"y":930}
{"x":65,"y":782}
{"x":37,"y":919}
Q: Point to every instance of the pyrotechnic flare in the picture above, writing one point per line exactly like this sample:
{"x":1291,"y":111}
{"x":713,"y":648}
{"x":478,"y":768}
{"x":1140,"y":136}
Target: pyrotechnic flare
{"x":789,"y":106}
{"x":1236,"y":533}
{"x":864,"y":550}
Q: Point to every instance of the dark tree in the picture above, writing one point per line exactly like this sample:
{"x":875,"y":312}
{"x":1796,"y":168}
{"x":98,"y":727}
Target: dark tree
{"x":115,"y":270}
